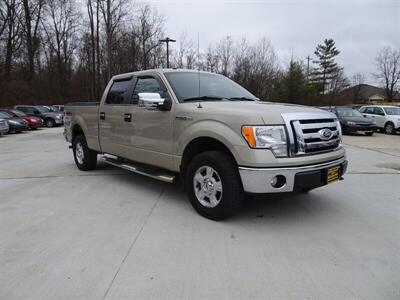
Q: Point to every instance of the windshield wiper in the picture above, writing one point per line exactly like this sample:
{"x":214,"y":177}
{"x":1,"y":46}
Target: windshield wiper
{"x":203,"y":98}
{"x":242,"y":99}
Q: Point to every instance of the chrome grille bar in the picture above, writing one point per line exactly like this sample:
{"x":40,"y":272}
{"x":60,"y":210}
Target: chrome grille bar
{"x":304,"y":132}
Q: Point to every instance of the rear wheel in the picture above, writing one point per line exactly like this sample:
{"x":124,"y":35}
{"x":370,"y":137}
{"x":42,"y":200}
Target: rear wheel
{"x":389,"y":128}
{"x":213,"y":185}
{"x":85,"y":159}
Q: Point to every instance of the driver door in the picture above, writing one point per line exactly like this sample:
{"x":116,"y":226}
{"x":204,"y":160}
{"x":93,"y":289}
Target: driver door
{"x":153,"y":138}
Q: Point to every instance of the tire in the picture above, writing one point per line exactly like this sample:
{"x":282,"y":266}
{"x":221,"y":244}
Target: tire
{"x":50,"y":122}
{"x":224,"y":185}
{"x":369,"y":133}
{"x":85,"y":159}
{"x":389,"y":128}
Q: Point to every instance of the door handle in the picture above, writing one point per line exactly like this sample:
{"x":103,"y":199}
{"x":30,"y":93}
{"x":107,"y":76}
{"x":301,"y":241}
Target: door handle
{"x":102,"y":115}
{"x":128,"y":117}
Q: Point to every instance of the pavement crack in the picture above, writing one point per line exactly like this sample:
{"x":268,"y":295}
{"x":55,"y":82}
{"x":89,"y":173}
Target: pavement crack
{"x":134,"y":242}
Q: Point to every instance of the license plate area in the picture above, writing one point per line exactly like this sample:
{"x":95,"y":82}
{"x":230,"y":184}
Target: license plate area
{"x":333,"y":174}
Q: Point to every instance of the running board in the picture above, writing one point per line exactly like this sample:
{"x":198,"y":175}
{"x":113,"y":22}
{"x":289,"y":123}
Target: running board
{"x":151,"y":172}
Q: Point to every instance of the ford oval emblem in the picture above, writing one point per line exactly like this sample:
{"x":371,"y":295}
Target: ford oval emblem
{"x":325,"y":134}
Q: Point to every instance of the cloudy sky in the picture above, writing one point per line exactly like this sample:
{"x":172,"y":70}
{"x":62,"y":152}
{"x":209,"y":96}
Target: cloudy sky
{"x":359,"y":28}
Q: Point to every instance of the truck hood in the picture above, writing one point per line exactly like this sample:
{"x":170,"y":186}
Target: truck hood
{"x":267,"y":112}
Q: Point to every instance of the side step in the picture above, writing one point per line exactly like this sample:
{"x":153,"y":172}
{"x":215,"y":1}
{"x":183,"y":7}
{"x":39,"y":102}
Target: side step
{"x":148,"y":171}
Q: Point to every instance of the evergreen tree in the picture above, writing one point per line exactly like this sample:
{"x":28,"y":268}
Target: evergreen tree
{"x":327,"y":68}
{"x":292,"y":87}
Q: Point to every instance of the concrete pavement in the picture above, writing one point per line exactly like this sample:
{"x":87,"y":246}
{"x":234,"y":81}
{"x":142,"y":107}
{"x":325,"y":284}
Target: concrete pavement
{"x":110,"y":234}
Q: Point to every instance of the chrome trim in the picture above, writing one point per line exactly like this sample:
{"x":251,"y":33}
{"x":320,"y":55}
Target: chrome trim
{"x":258,"y":180}
{"x":297,"y":139}
{"x":137,"y":170}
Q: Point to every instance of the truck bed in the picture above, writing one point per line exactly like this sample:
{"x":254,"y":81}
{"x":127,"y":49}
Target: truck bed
{"x":85,"y":114}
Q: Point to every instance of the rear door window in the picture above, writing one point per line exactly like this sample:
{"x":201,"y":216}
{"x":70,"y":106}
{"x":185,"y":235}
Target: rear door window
{"x":120,"y":92}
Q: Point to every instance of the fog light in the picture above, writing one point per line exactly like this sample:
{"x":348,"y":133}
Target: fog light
{"x":278,"y":181}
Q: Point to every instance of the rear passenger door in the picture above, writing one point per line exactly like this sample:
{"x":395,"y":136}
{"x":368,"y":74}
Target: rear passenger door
{"x":113,"y":113}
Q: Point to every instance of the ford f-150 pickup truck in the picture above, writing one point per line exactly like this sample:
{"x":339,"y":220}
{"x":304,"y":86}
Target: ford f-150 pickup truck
{"x":205,"y":129}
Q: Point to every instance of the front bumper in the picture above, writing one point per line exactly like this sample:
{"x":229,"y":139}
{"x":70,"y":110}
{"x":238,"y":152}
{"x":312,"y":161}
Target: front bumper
{"x":258,"y":180}
{"x":358,"y":128}
{"x":59,"y":121}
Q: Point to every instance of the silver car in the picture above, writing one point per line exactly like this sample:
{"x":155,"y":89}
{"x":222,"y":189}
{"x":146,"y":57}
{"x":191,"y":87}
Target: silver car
{"x":387,"y":117}
{"x":3,"y":127}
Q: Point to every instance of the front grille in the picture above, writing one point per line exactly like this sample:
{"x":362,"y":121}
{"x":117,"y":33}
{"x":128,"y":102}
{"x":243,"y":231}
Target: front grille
{"x":305,"y":133}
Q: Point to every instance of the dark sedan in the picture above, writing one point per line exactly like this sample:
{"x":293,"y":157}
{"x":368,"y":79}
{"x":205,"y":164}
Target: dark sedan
{"x":15,"y":124}
{"x":352,"y":121}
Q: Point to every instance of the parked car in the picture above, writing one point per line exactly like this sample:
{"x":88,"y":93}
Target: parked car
{"x":209,"y":130}
{"x":4,"y":128}
{"x":387,"y":117}
{"x":352,"y":121}
{"x":49,"y":118}
{"x":33,"y":122}
{"x":60,"y":108}
{"x":15,"y":124}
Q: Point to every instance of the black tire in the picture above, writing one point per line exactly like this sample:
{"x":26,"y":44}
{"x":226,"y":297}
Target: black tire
{"x":50,"y":122}
{"x":369,"y":133}
{"x":389,"y":128}
{"x":88,"y":161}
{"x":232,"y":195}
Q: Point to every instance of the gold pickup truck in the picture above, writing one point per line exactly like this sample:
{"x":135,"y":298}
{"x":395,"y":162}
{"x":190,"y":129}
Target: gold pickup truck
{"x":205,"y":129}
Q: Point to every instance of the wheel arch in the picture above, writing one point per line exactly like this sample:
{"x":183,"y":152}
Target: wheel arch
{"x":199,"y":145}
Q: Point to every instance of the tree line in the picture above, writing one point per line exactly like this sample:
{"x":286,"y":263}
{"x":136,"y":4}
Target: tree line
{"x":55,"y":51}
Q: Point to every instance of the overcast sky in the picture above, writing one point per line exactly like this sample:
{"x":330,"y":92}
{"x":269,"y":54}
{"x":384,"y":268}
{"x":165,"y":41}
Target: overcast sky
{"x":359,"y":28}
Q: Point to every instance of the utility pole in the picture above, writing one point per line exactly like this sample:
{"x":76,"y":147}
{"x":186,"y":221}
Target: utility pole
{"x":167,"y":41}
{"x":308,"y":66}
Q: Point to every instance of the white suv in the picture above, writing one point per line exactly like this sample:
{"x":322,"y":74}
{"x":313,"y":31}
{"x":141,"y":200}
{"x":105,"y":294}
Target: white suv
{"x":386,"y":117}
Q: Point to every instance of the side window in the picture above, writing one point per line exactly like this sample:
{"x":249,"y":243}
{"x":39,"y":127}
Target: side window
{"x":369,"y":110}
{"x":147,"y":84}
{"x":379,"y":111}
{"x":120,"y":92}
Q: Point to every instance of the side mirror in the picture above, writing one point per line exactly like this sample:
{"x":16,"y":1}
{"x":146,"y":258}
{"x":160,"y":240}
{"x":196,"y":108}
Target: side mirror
{"x":150,"y":100}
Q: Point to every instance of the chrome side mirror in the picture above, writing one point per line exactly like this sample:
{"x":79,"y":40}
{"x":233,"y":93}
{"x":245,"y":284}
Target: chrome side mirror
{"x":150,"y":100}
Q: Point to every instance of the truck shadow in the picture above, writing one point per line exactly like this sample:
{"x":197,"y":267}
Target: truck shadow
{"x":269,"y":208}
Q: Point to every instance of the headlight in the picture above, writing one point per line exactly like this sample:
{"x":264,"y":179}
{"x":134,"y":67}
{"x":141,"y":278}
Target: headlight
{"x":267,"y":137}
{"x":350,"y":123}
{"x":13,"y":122}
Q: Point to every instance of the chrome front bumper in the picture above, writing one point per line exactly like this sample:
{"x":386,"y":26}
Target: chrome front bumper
{"x":258,"y":180}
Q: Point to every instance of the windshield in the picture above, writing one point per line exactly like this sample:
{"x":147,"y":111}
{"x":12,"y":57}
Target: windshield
{"x":43,"y":109}
{"x":186,"y":86}
{"x":18,"y":113}
{"x":4,"y":115}
{"x":392,"y":111}
{"x":348,"y":112}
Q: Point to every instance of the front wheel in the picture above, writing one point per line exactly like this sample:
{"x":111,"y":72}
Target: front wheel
{"x":85,"y":159}
{"x":389,"y":128}
{"x":369,"y":133}
{"x":50,"y":123}
{"x":214,"y":185}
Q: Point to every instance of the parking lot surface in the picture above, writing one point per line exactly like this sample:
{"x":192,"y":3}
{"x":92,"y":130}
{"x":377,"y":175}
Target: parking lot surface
{"x":111,"y":234}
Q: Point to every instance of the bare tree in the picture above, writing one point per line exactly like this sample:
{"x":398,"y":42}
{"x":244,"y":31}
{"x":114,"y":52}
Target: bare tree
{"x":225,"y":54}
{"x":149,"y":32}
{"x":12,"y":30}
{"x":388,"y":69}
{"x":113,"y":14}
{"x":60,"y":27}
{"x":32,"y":17}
